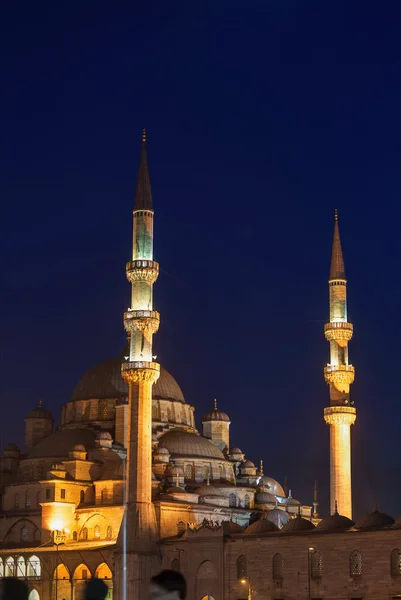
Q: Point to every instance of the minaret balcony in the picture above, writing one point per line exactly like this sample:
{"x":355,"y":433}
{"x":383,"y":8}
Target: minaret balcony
{"x":140,"y":371}
{"x":340,"y":415}
{"x":339,"y":332}
{"x":339,"y":375}
{"x":144,"y":321}
{"x":142,"y":270}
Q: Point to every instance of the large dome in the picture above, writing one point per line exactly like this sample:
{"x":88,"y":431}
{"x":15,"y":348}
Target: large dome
{"x":105,"y":381}
{"x":62,"y":442}
{"x":182,"y":443}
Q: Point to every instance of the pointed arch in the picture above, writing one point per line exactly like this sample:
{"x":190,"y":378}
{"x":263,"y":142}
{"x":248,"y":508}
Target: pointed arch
{"x":242,"y":567}
{"x":96,"y":532}
{"x":24,"y":536}
{"x":9,"y":567}
{"x":355,"y":564}
{"x":175,"y":564}
{"x":395,"y":563}
{"x":316,"y":565}
{"x":82,"y":573}
{"x":277,"y":567}
{"x":103,"y":571}
{"x":61,"y":572}
{"x":20,"y":570}
{"x":33,"y":567}
{"x":207,"y":584}
{"x":1,"y":568}
{"x":34,"y":595}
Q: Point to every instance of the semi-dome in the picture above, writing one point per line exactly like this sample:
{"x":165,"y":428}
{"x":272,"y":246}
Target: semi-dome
{"x":277,"y":516}
{"x":104,"y":381}
{"x":374,"y":520}
{"x":263,"y":497}
{"x":262,"y":526}
{"x":335,"y":522}
{"x":215,"y":415}
{"x":62,"y":442}
{"x":207,"y":489}
{"x":298,"y":524}
{"x":182,"y":443}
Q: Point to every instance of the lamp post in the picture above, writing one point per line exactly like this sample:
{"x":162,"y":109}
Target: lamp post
{"x":58,"y":539}
{"x":180,"y":551}
{"x":310,"y":550}
{"x":250,"y":590}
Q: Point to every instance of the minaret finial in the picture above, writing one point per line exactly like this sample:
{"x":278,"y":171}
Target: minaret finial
{"x":144,"y":135}
{"x":315,"y":492}
{"x":315,"y":502}
{"x":40,"y":403}
{"x":215,"y":404}
{"x":335,"y":213}
{"x":290,"y":494}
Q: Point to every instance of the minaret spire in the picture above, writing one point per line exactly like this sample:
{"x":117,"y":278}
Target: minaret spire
{"x":339,"y":375}
{"x":315,"y":502}
{"x":337,"y":270}
{"x":143,"y":195}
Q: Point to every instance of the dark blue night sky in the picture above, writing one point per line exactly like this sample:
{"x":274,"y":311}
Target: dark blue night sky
{"x":262,"y":118}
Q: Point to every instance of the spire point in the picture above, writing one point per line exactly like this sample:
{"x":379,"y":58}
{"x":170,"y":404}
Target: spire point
{"x":215,"y":404}
{"x":144,"y":135}
{"x":335,"y":213}
{"x":143,"y":194}
{"x":337,"y":270}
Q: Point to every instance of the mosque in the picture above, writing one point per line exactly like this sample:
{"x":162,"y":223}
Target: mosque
{"x":125,"y":484}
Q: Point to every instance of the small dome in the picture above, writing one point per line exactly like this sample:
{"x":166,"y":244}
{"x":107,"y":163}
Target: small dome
{"x":215,"y":415}
{"x":206,"y":489}
{"x":233,"y":527}
{"x":182,"y":443}
{"x":79,"y":448}
{"x":61,"y":443}
{"x":335,"y":522}
{"x":273,"y":486}
{"x":176,"y":471}
{"x":40,"y":413}
{"x":163,"y":451}
{"x":397,"y":524}
{"x":247,"y":464}
{"x":236,"y":451}
{"x":298,"y":524}
{"x":265,"y":498}
{"x":262,"y":526}
{"x":176,"y":490}
{"x":104,"y":435}
{"x":277,"y":516}
{"x":374,"y":520}
{"x":11,"y":450}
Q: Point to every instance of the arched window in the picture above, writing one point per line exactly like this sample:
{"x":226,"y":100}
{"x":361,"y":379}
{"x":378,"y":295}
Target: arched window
{"x":278,"y":567}
{"x":169,"y":415}
{"x":9,"y":568}
{"x":81,"y":497}
{"x":242,"y":567}
{"x":84,"y":534}
{"x":175,"y":565}
{"x":97,"y":532}
{"x":316,"y":565}
{"x":87,"y":412}
{"x":395,"y":563}
{"x":104,"y":496}
{"x":232,"y":499}
{"x":1,"y":568}
{"x":221,"y":471}
{"x":109,"y":533}
{"x":355,"y":564}
{"x":188,"y":472}
{"x":33,"y":567}
{"x":21,"y":567}
{"x":247,"y":501}
{"x":36,"y":535}
{"x":74,"y":536}
{"x":102,"y":410}
{"x":28,"y":499}
{"x":181,"y":527}
{"x":24,"y":534}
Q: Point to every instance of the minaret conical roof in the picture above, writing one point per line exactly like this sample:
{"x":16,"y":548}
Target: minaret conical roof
{"x":143,"y":194}
{"x":337,"y":270}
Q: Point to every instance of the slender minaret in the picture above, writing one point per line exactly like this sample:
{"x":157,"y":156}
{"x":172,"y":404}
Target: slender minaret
{"x":340,"y":415}
{"x":140,"y":372}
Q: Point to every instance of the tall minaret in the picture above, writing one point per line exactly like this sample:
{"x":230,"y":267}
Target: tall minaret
{"x":140,"y":372}
{"x":340,"y":415}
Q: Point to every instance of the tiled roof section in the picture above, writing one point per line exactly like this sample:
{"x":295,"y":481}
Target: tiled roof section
{"x":337,"y":270}
{"x":143,"y":195}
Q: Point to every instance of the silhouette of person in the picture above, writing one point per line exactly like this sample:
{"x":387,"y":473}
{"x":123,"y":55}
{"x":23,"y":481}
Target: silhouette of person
{"x":168,"y":585}
{"x":13,"y":589}
{"x":96,"y":589}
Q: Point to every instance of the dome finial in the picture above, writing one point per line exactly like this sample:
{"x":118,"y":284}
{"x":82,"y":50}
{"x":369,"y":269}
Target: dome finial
{"x":261,"y":467}
{"x":208,"y":478}
{"x":144,"y":135}
{"x":299,"y":511}
{"x":215,"y":404}
{"x":40,"y":402}
{"x":290,"y":493}
{"x":335,"y":214}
